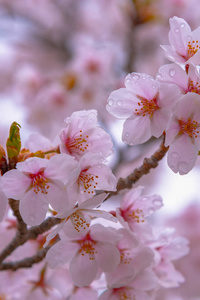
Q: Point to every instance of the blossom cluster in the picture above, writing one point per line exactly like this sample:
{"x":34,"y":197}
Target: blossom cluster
{"x":71,"y":180}
{"x":95,"y":252}
{"x":168,"y":104}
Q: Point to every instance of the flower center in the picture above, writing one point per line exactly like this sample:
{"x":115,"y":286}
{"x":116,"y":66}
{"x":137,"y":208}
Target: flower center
{"x":125,"y":257}
{"x":193,"y":47}
{"x":88,"y":181}
{"x":194,"y":88}
{"x":133,"y":215}
{"x":79,"y":221}
{"x":39,"y":183}
{"x":124,"y":294}
{"x":87,"y":246}
{"x":77,"y":143}
{"x":189,"y":127}
{"x":146,"y":107}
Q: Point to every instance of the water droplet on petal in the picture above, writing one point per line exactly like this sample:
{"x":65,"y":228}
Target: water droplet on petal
{"x":151,"y":211}
{"x":172,"y":72}
{"x":144,"y":77}
{"x":182,"y":25}
{"x":157,"y":202}
{"x":174,"y":154}
{"x":183,"y":167}
{"x":176,"y":30}
{"x":153,"y":86}
{"x":119,"y":103}
{"x":127,"y":134}
{"x":110,"y":102}
{"x":144,"y":198}
{"x":159,"y":76}
{"x":135,"y":76}
{"x":128,"y":80}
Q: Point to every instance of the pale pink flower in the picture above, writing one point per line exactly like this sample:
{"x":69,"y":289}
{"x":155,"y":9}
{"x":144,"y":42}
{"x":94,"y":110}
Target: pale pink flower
{"x":135,"y":257}
{"x":136,"y":289}
{"x":146,"y":105}
{"x":82,"y":135}
{"x":87,"y":254}
{"x":135,"y":209}
{"x":93,"y":175}
{"x":183,"y":135}
{"x":39,"y":182}
{"x":188,"y":82}
{"x":184,"y":43}
{"x":78,"y":219}
{"x":167,"y":248}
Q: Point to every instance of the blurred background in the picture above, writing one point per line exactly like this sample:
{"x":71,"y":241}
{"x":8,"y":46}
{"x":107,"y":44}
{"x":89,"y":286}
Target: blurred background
{"x":60,"y":56}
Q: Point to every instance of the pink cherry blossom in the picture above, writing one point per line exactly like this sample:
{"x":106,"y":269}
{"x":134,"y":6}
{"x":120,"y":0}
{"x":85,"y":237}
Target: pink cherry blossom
{"x":188,"y":82}
{"x":167,"y":248}
{"x":182,"y":134}
{"x":78,"y":219}
{"x":39,"y":182}
{"x":93,"y":175}
{"x":184,"y":43}
{"x":86,"y":254}
{"x":136,"y":289}
{"x":135,"y":257}
{"x":145,"y":104}
{"x":81,"y":135}
{"x":134,"y":210}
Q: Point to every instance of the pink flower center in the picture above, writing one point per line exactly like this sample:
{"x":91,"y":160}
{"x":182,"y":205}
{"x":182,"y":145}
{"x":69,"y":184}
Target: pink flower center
{"x":124,"y":294}
{"x":194,"y":88}
{"x":192,"y":48}
{"x":125,"y":257}
{"x":88,"y":181}
{"x":87,"y":246}
{"x":189,"y":127}
{"x":77,"y":143}
{"x":39,"y":183}
{"x":79,"y":221}
{"x":146,"y":107}
{"x":133,"y":215}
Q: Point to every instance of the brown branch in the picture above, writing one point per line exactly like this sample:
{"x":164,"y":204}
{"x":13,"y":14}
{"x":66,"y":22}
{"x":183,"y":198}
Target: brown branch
{"x":21,"y":226}
{"x":26,"y":262}
{"x":32,"y":233}
{"x":148,"y":164}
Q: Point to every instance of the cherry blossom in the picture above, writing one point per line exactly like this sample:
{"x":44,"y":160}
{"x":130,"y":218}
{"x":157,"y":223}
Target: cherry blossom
{"x":39,"y":182}
{"x":182,"y":134}
{"x":86,"y":254}
{"x":134,"y":210}
{"x":188,"y":82}
{"x":145,"y":104}
{"x":81,"y":135}
{"x":184,"y":43}
{"x":136,"y":289}
{"x":135,"y":257}
{"x":93,"y":175}
{"x":168,"y":247}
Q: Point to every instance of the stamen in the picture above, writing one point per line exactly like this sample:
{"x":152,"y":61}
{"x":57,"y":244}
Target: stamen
{"x":193,"y":88}
{"x":189,"y":127}
{"x":77,"y":143}
{"x":88,"y":181}
{"x":39,"y":183}
{"x":192,"y":48}
{"x":79,"y":221}
{"x":87,"y":247}
{"x":146,"y":107}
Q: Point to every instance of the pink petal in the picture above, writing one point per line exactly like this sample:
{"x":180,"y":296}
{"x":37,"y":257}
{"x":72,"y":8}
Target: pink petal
{"x":108,"y":256}
{"x":33,"y":208}
{"x":15,"y":184}
{"x":83,"y":270}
